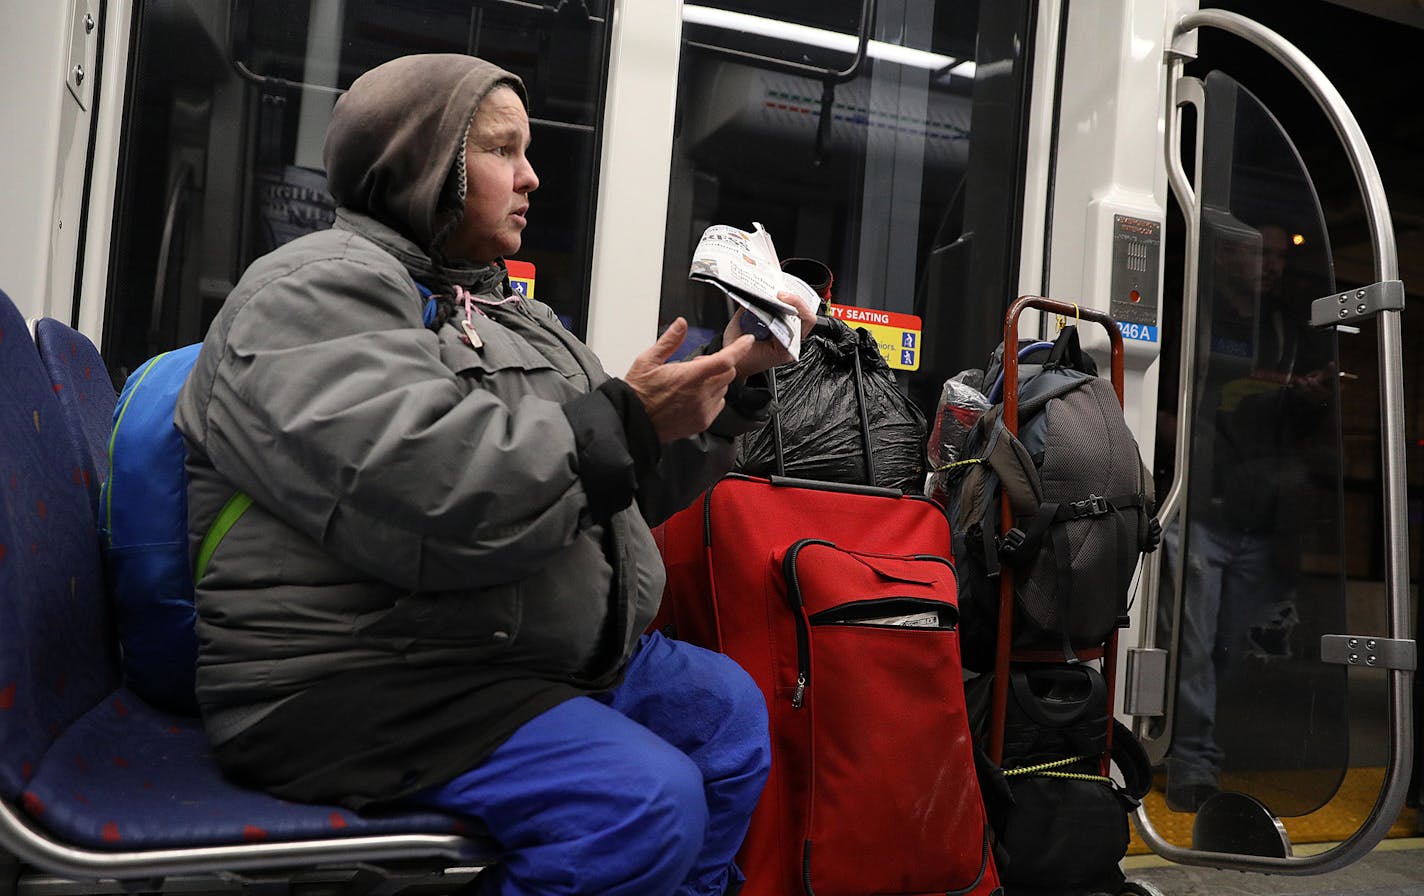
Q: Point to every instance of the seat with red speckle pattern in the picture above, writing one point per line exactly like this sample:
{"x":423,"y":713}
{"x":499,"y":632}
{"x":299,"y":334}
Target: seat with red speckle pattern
{"x":86,"y":396}
{"x":94,"y":782}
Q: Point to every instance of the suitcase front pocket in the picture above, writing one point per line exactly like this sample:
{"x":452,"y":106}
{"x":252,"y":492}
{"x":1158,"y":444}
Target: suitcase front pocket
{"x":892,"y":803}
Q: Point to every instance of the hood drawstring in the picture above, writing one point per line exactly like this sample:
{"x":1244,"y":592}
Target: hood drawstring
{"x":471,"y":335}
{"x":464,"y":294}
{"x":440,"y":307}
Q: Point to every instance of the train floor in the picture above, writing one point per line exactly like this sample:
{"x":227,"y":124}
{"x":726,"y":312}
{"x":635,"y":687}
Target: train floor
{"x":1394,"y":868}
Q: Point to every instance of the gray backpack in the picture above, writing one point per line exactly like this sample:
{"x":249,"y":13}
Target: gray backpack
{"x":1081,"y":500}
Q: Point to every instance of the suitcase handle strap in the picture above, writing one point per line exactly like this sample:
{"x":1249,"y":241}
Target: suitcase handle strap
{"x":776,"y":439}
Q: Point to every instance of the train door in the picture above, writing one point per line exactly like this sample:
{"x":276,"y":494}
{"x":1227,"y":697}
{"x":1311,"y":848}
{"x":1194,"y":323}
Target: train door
{"x":52,"y":96}
{"x":1275,"y":674}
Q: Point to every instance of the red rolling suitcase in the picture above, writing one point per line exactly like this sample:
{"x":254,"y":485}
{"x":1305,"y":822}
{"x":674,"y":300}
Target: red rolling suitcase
{"x":841,"y":603}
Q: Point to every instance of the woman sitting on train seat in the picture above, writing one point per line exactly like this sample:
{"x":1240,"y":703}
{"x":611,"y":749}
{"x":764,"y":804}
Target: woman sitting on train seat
{"x":439,"y":593}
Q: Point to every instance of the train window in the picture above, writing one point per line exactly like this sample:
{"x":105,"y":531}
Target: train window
{"x":899,"y":169}
{"x":1262,"y":528}
{"x":224,"y":127}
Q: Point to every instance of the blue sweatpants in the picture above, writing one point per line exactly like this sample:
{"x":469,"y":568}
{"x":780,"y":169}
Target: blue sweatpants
{"x":643,"y":791}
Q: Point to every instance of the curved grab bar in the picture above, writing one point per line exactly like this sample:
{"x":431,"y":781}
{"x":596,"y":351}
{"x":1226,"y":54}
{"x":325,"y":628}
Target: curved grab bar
{"x":184,"y":178}
{"x":32,"y":847}
{"x":786,"y":66}
{"x":1181,"y":91}
{"x":1401,"y":681}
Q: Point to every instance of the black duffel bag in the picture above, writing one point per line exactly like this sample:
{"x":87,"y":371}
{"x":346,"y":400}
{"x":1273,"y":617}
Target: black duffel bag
{"x":1061,"y":825}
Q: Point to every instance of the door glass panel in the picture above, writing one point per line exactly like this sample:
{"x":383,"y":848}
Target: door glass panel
{"x":1259,"y":539}
{"x":903,"y":176}
{"x":225,"y":124}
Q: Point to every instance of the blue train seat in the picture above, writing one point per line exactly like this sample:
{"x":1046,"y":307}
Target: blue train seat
{"x":94,"y":783}
{"x":86,"y":396}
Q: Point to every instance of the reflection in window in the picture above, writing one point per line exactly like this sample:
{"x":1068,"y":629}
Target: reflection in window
{"x":223,"y":137}
{"x":1256,"y":552}
{"x":872,"y":166}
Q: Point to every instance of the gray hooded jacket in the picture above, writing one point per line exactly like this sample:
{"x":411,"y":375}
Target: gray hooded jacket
{"x":444,"y":540}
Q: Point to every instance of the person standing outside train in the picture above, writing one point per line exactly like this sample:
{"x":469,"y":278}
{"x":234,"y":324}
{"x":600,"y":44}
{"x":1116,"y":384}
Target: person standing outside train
{"x":1265,"y":384}
{"x":438,"y":595}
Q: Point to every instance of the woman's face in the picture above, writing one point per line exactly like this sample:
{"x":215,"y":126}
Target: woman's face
{"x":498,"y":181}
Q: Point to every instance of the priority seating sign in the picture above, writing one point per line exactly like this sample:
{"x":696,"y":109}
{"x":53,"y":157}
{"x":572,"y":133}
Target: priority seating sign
{"x":521,"y":276}
{"x":896,"y":335}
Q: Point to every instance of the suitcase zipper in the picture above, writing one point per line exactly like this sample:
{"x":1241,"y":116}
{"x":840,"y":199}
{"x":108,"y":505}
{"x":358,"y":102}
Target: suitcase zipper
{"x":803,"y":634}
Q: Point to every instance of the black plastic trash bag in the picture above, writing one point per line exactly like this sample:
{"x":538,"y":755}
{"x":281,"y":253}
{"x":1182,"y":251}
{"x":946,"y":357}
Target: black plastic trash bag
{"x":819,"y":417}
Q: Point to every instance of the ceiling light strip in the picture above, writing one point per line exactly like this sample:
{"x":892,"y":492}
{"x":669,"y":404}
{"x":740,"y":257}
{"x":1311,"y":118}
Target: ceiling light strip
{"x":814,"y":37}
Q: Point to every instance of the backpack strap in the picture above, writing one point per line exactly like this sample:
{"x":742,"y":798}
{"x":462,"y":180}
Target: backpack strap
{"x":231,"y":512}
{"x":1022,"y":548}
{"x":995,"y":372}
{"x":1015,"y":468}
{"x":1067,"y":353}
{"x":1064,"y":564}
{"x":1020,"y":545}
{"x":1131,"y":759}
{"x":1018,"y":477}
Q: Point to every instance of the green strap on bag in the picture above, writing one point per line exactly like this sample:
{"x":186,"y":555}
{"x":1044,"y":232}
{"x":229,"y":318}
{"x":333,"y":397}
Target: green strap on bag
{"x":231,"y":512}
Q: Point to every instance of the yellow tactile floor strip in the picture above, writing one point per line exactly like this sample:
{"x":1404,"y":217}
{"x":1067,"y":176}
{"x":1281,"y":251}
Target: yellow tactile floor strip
{"x":1333,"y":822}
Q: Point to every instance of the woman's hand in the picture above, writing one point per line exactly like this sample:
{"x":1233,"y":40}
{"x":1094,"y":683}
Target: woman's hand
{"x":768,"y":353}
{"x":683,"y":399}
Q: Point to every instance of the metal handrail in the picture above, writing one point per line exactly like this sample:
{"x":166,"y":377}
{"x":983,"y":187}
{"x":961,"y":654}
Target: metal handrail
{"x":1401,"y":681}
{"x":34,"y":848}
{"x":185,"y":178}
{"x":786,"y":66}
{"x":1181,"y":91}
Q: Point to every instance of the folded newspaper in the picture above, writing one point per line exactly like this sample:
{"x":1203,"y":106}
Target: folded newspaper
{"x":745,"y":267}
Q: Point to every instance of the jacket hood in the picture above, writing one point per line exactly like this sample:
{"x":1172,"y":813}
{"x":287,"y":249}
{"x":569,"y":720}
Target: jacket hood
{"x":395,"y":147}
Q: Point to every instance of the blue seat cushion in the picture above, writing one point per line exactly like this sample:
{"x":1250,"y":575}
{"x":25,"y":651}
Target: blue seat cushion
{"x":126,"y":776}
